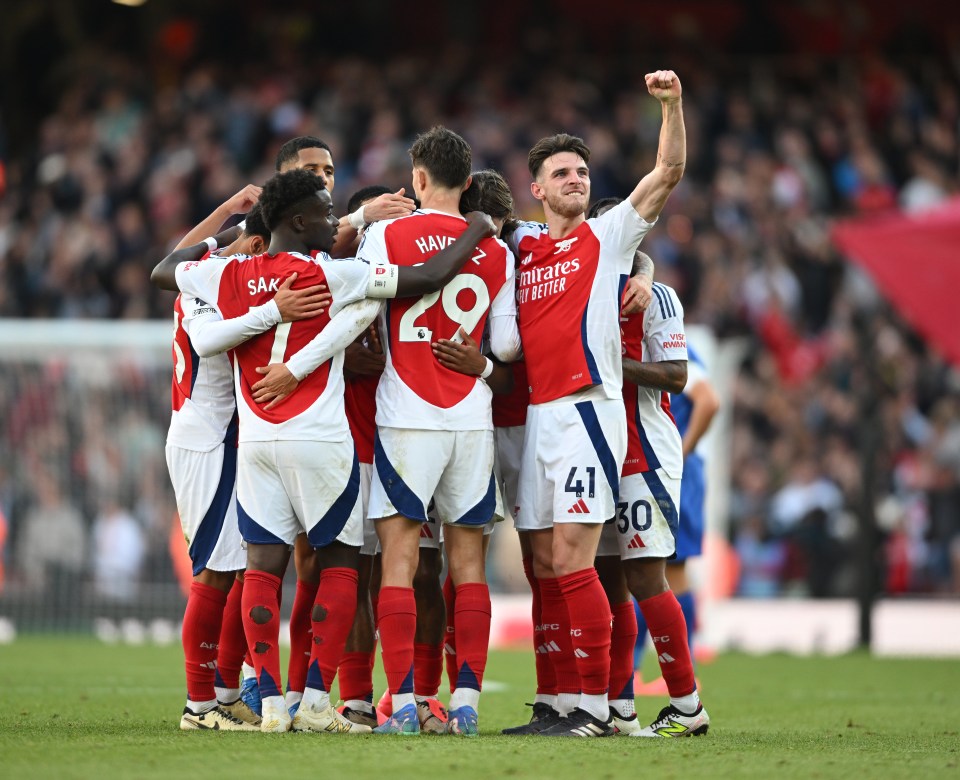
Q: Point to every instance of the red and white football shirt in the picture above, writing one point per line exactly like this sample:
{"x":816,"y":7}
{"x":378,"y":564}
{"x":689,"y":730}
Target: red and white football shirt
{"x":314,"y":411}
{"x":203,"y":403}
{"x":655,"y":335}
{"x":415,"y":391}
{"x":568,"y":301}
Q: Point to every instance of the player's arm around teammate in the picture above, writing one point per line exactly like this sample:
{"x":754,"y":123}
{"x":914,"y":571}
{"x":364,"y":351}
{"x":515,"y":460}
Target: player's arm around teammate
{"x":281,"y":379}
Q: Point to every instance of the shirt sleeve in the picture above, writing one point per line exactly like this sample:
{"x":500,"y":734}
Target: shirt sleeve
{"x":373,"y":245}
{"x":339,"y":333}
{"x":664,"y":337}
{"x":347,"y":280}
{"x":502,"y":323}
{"x":210,"y":334}
{"x":622,"y":229}
{"x":523,"y":230}
{"x":201,"y":279}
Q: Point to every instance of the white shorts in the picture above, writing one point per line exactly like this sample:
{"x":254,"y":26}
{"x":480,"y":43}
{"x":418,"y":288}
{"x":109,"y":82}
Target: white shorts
{"x":647,"y":518}
{"x":205,"y":485}
{"x":287,"y":487}
{"x":507,"y":457}
{"x":371,"y":544}
{"x":431,"y":532}
{"x":570,"y":468}
{"x":454,"y":468}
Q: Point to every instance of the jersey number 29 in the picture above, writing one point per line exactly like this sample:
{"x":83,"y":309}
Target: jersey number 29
{"x":467,"y":319}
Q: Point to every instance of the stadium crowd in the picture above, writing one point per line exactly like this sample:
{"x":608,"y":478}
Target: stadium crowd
{"x":779,"y":146}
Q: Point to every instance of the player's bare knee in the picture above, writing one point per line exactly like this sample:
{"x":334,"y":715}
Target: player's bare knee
{"x":426,"y":580}
{"x":542,"y":561}
{"x":611,"y":578}
{"x":646,"y":578}
{"x":338,"y":555}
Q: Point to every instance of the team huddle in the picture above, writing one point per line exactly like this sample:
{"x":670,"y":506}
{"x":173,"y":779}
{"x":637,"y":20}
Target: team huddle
{"x":380,"y":411}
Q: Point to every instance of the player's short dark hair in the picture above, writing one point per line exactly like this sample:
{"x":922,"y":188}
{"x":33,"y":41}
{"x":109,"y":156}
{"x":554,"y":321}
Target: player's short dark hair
{"x":284,"y":192}
{"x":444,"y":155}
{"x":364,"y":194}
{"x":291,"y":149}
{"x":602,"y":205}
{"x":253,"y":224}
{"x":488,"y":192}
{"x":554,"y":144}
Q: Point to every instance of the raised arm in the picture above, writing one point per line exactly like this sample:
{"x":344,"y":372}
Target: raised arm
{"x":654,"y":188}
{"x":240,"y":203}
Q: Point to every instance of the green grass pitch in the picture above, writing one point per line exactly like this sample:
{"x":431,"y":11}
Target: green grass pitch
{"x":75,"y":708}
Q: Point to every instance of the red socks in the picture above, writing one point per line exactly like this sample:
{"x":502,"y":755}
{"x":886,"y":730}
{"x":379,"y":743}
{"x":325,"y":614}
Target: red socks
{"x":300,"y":634}
{"x":450,"y":632}
{"x":669,"y":632}
{"x":427,"y":669}
{"x":622,"y":642}
{"x":261,"y":624}
{"x":546,"y":676}
{"x":201,"y":635}
{"x":332,"y":617}
{"x":590,"y":628}
{"x":397,"y":624}
{"x":557,"y":643}
{"x":472,"y":619}
{"x":233,"y":642}
{"x":356,"y":677}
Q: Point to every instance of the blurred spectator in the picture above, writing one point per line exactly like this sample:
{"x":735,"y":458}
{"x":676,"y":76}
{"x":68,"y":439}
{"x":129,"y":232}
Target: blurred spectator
{"x":118,"y":550}
{"x":51,"y":553}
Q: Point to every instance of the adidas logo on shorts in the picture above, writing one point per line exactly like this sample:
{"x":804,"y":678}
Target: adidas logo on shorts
{"x":636,"y":543}
{"x":580,"y":508}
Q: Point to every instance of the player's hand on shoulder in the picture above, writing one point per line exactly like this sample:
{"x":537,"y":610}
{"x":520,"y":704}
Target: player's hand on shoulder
{"x":300,"y":304}
{"x":277,"y":383}
{"x":636,"y":295}
{"x":664,"y":85}
{"x":390,"y":205}
{"x":461,"y":356}
{"x":244,"y":200}
{"x":483,"y":220}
